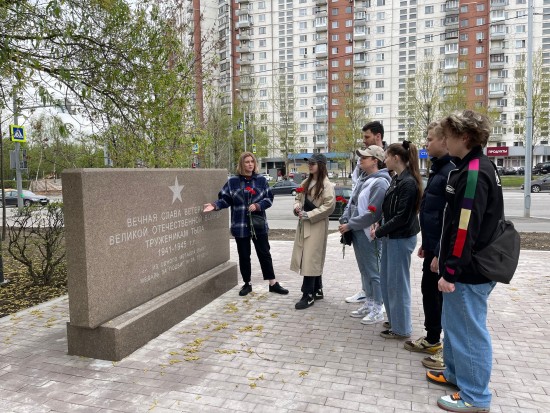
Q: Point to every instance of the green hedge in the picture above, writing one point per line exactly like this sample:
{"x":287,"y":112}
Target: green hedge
{"x":10,"y":183}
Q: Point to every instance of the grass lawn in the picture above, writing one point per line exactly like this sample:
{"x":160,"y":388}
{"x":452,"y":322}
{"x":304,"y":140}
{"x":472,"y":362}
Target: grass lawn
{"x":511,"y":181}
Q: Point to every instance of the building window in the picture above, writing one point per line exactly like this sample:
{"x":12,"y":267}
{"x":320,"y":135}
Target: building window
{"x":379,"y":70}
{"x":303,"y":102}
{"x":334,"y":12}
{"x":303,"y":115}
{"x":334,"y":63}
{"x":479,"y":78}
{"x":379,"y":110}
{"x":480,"y":21}
{"x":380,"y":29}
{"x":335,"y":25}
{"x":464,"y":23}
{"x":379,"y":96}
{"x":380,"y":57}
{"x":480,"y":49}
{"x":428,"y":9}
{"x":380,"y":15}
{"x":379,"y":84}
{"x":464,"y":37}
{"x":261,"y":30}
{"x":380,"y":43}
{"x":480,"y":7}
{"x":429,"y":24}
{"x":303,"y":89}
{"x":479,"y":91}
{"x":520,"y":44}
{"x":463,"y":51}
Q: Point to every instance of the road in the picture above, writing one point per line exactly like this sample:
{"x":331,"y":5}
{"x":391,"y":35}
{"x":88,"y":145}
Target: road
{"x":280,"y":215}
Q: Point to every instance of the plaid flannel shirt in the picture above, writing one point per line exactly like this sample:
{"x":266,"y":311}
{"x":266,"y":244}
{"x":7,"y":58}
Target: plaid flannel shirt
{"x":233,"y":195}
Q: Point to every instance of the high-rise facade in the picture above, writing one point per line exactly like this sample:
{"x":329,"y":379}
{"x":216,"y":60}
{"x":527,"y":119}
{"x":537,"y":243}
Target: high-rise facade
{"x":292,"y":65}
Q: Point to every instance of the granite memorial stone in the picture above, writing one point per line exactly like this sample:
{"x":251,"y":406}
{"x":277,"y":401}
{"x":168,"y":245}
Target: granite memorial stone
{"x":141,"y":254}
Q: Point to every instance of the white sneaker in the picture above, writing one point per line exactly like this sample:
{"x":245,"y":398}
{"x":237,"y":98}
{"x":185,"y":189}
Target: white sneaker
{"x":363,"y":310}
{"x":375,"y":316}
{"x":358,"y":297}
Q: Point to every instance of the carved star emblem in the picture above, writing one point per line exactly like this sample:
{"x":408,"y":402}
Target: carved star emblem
{"x":176,"y":191}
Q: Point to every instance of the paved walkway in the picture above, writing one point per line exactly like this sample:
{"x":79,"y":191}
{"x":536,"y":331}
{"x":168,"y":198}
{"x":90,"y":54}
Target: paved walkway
{"x":258,"y":354}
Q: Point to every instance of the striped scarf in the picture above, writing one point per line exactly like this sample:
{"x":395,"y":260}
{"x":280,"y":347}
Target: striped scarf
{"x":466,"y":210}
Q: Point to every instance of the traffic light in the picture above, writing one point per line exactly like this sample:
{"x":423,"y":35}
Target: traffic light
{"x":253,"y":148}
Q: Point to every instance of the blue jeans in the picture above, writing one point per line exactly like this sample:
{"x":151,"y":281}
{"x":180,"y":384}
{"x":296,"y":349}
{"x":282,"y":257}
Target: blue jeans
{"x":369,"y":265}
{"x":395,"y":278}
{"x":467,"y":349}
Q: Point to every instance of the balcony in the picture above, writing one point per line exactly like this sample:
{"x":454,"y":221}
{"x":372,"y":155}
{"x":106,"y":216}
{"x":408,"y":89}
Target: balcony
{"x":321,"y":13}
{"x":321,"y":40}
{"x":244,"y":35}
{"x":360,"y":76}
{"x":360,"y":22}
{"x":321,"y":55}
{"x":360,"y":8}
{"x":244,"y":62}
{"x":450,"y":69}
{"x":359,"y":49}
{"x":242,"y":1}
{"x":242,"y":12}
{"x":320,"y":93}
{"x":498,"y":4}
{"x":496,"y":94}
{"x":321,"y":64}
{"x":242,"y":49}
{"x":321,"y":118}
{"x":245,"y":24}
{"x":496,"y":65}
{"x":359,"y":63}
{"x":321,"y":28}
{"x":320,"y":2}
{"x":359,"y":36}
{"x":498,"y":35}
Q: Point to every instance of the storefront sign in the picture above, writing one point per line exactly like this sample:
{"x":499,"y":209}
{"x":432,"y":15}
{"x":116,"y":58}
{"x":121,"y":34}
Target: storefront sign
{"x":497,"y":151}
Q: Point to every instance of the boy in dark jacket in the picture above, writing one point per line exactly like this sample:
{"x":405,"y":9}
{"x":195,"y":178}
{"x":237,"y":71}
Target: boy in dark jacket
{"x":474,"y":207}
{"x":431,"y":221}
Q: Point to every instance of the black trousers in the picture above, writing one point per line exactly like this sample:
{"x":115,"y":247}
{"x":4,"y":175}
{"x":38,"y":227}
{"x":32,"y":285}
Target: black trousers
{"x":432,"y":300}
{"x":312,"y":284}
{"x":261,"y":245}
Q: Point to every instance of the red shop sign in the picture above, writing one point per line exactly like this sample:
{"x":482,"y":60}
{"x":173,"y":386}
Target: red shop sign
{"x":497,"y":151}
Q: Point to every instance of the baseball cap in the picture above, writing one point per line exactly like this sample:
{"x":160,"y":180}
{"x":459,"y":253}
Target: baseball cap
{"x":317,"y":157}
{"x":374,"y":151}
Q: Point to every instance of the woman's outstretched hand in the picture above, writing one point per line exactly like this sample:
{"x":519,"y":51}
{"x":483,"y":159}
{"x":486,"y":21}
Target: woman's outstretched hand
{"x":208,"y":208}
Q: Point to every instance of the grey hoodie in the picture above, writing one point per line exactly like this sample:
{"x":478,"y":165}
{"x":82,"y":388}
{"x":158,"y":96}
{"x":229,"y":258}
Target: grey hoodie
{"x":364,"y":195}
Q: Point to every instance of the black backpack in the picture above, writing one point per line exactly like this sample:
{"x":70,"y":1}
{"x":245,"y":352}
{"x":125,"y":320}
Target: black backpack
{"x":499,"y":259}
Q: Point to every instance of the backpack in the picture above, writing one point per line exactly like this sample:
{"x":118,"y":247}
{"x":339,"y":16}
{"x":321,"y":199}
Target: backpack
{"x":499,"y":259}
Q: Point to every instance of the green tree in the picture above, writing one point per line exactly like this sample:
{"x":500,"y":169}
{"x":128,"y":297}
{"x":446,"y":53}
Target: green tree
{"x":346,"y":132}
{"x":540,"y":101}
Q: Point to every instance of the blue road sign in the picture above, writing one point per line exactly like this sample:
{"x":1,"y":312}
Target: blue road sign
{"x":17,"y":133}
{"x":423,"y":154}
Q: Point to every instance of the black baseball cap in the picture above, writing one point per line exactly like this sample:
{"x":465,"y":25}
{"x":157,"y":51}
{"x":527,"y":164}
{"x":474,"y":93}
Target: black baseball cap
{"x":317,"y":157}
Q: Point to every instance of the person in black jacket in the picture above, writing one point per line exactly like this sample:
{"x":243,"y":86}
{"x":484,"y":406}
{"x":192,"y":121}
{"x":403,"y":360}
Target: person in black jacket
{"x":398,"y":232}
{"x":431,"y":220}
{"x":474,"y":207}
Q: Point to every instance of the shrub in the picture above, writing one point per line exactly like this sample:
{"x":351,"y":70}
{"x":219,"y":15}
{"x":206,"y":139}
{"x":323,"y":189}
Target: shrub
{"x":41,"y":228}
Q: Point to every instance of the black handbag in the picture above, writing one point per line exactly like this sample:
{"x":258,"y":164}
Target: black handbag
{"x":308,"y":205}
{"x":258,"y":222}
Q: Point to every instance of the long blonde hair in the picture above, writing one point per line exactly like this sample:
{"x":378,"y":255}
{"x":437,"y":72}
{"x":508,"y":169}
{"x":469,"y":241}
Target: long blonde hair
{"x":240,"y":166}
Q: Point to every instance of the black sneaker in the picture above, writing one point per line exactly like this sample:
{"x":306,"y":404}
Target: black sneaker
{"x":247,"y":288}
{"x":306,"y":301}
{"x":276,"y":288}
{"x":319,"y":294}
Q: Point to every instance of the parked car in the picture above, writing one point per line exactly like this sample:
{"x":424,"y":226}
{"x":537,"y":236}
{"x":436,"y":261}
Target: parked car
{"x":267,"y":177}
{"x":541,"y":168}
{"x":520,"y":170}
{"x":540,"y":184}
{"x":29,"y":198}
{"x":343,"y":194}
{"x":509,"y":170}
{"x":284,"y":187}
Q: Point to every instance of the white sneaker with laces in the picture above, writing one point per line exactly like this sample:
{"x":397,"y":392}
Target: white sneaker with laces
{"x":375,"y":316}
{"x":358,"y":297}
{"x":363,"y":310}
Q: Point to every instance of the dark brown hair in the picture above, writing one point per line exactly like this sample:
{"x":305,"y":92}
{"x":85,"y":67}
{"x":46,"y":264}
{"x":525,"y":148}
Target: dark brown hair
{"x":319,"y":185}
{"x":408,"y":153}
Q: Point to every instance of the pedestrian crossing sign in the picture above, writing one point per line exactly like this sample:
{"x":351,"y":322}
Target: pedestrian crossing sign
{"x":17,"y":133}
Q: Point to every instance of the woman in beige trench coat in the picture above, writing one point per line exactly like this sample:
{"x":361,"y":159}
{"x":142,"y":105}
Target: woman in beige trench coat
{"x":312,"y":205}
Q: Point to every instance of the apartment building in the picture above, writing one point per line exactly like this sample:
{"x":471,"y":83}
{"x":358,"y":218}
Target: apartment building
{"x":291,"y":64}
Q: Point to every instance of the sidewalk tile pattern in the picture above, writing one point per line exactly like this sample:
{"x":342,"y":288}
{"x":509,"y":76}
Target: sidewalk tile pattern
{"x":258,"y":354}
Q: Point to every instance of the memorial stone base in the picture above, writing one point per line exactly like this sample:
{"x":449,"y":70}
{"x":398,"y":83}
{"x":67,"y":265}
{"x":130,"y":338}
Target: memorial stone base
{"x":126,"y":333}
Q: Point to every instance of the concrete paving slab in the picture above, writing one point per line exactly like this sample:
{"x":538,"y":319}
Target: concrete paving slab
{"x":258,"y":353}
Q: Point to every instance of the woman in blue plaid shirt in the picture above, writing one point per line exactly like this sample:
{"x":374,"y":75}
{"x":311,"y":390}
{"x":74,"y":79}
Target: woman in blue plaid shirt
{"x":248,"y":193}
